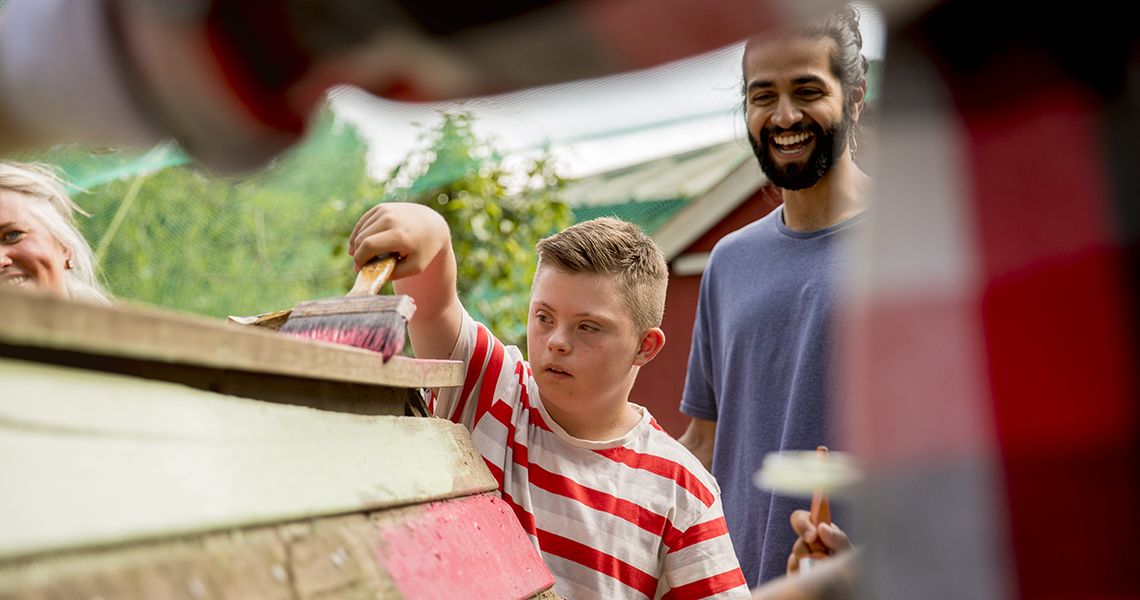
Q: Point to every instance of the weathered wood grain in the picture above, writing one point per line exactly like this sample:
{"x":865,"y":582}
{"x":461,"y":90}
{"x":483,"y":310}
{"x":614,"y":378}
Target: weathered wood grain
{"x":470,"y":547}
{"x":92,"y":459}
{"x":340,"y":396}
{"x":165,"y":337}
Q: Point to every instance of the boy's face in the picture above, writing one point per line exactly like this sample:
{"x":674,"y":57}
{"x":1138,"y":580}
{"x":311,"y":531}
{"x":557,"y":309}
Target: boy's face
{"x":581,"y":341}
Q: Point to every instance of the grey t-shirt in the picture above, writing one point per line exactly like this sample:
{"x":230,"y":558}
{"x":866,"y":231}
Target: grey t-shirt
{"x":760,"y":366}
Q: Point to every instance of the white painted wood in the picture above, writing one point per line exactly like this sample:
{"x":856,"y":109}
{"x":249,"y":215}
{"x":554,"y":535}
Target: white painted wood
{"x":163,"y":336}
{"x":91,"y":458}
{"x":691,"y":222}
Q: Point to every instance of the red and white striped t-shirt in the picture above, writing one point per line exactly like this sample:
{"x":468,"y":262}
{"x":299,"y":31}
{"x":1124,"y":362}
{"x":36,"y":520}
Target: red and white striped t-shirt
{"x":635,"y":517}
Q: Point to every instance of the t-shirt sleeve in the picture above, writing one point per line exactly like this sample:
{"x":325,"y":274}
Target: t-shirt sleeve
{"x":703,"y":563}
{"x":699,"y":397}
{"x":492,"y":372}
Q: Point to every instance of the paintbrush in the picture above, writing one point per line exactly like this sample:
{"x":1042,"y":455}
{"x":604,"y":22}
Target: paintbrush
{"x":363,"y":318}
{"x":820,"y":514}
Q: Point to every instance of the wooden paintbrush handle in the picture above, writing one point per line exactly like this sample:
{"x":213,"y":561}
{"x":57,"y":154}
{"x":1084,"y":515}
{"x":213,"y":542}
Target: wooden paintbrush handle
{"x":373,"y":275}
{"x":820,"y":507}
{"x":820,"y":513}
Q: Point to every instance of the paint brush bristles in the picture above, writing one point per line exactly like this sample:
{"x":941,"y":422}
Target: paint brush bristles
{"x":362,"y":319}
{"x":376,"y":323}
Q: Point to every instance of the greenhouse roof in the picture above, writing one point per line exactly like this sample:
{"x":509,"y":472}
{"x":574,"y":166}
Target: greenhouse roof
{"x":651,"y":192}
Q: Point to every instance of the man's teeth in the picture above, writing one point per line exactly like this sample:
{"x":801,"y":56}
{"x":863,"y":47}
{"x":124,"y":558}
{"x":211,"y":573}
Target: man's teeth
{"x":789,"y":139}
{"x":17,"y":280}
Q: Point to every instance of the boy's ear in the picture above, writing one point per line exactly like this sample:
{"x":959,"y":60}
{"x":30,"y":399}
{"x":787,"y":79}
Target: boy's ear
{"x":652,"y":342}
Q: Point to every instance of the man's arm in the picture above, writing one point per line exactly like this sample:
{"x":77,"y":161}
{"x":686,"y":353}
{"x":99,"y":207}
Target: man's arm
{"x":700,"y":439}
{"x":426,"y":270}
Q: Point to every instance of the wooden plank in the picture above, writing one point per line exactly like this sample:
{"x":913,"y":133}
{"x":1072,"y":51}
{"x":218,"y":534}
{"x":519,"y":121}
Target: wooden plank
{"x":240,"y":564}
{"x":162,"y":336}
{"x":470,"y":547}
{"x":92,"y":458}
{"x":340,"y":396}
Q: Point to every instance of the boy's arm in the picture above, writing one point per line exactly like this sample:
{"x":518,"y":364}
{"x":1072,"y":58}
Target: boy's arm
{"x":426,"y":270}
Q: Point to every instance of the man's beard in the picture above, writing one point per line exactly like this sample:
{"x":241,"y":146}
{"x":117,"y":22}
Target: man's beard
{"x":829,"y":146}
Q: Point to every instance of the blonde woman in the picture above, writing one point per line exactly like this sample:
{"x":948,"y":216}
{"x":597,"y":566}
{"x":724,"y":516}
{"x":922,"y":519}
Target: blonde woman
{"x":40,"y":248}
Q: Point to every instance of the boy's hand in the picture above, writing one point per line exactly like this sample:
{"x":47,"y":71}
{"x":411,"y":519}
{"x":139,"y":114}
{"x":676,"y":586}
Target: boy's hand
{"x":426,"y":271}
{"x":414,"y":232}
{"x":814,"y":542}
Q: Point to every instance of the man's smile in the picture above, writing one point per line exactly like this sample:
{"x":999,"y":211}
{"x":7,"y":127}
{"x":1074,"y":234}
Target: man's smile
{"x":791,"y":143}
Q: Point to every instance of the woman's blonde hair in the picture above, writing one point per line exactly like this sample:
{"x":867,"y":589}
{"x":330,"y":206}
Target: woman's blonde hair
{"x":54,"y":209}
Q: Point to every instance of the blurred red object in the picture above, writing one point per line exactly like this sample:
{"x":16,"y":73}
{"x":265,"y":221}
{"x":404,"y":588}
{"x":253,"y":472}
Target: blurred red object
{"x":234,"y":81}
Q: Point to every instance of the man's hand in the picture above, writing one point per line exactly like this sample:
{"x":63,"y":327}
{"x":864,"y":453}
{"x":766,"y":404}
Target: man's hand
{"x":815,"y":542}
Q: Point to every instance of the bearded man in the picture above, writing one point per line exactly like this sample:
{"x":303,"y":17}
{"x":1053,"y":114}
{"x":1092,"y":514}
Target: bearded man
{"x":760,"y":377}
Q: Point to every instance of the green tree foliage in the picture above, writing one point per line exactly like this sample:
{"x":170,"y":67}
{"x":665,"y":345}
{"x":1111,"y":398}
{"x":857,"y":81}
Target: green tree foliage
{"x":496,"y":213}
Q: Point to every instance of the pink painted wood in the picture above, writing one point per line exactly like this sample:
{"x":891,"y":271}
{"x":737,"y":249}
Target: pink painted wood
{"x":466,"y":548}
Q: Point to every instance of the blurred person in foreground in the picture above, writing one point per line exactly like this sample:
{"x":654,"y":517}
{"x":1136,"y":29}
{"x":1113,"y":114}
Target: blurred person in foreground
{"x":760,"y":376}
{"x":235,"y":82}
{"x":40,"y":248}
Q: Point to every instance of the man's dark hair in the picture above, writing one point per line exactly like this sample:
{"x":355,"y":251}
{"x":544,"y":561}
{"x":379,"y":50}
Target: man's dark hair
{"x":848,"y":64}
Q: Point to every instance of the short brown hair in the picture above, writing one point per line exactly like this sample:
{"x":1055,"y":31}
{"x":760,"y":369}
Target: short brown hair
{"x":611,"y":246}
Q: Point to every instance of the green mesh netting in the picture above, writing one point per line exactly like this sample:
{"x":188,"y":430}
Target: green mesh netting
{"x":165,"y":233}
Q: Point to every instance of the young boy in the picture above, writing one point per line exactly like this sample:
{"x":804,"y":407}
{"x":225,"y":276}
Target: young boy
{"x":616,"y":506}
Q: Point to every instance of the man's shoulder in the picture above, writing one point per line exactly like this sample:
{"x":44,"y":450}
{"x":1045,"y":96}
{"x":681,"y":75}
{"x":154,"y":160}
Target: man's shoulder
{"x":758,"y":231}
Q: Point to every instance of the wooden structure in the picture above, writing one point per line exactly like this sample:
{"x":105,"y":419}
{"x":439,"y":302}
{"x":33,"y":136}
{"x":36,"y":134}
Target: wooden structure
{"x":153,"y":455}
